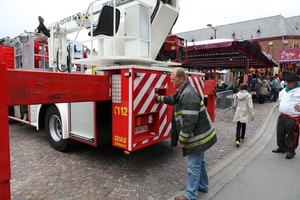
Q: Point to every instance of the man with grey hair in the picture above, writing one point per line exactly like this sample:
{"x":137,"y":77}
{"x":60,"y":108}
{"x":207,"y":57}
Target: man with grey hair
{"x":192,"y":131}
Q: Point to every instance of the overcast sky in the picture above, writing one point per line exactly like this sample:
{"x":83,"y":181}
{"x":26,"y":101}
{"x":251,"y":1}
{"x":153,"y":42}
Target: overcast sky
{"x":19,"y":15}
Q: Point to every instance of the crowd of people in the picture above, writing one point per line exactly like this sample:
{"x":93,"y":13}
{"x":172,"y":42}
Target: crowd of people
{"x":262,"y":87}
{"x":267,"y":87}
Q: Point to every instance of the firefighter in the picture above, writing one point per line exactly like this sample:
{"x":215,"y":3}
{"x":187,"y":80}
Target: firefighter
{"x":192,"y":131}
{"x":289,"y":119}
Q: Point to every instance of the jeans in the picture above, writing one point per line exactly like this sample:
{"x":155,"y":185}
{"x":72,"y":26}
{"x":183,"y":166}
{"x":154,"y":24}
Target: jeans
{"x":257,"y":96}
{"x":197,"y":176}
{"x":274,"y":93}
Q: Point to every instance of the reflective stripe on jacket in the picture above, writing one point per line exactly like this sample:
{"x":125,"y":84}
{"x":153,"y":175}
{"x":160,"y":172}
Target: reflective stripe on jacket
{"x":191,"y":124}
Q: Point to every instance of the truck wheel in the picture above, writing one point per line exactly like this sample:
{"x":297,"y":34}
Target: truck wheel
{"x":53,"y":126}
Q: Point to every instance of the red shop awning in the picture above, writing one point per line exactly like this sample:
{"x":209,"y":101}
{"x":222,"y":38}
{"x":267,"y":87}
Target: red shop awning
{"x":227,"y":54}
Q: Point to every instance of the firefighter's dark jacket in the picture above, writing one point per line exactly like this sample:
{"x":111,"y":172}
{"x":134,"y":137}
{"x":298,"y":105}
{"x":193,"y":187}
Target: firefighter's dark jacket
{"x":191,"y":124}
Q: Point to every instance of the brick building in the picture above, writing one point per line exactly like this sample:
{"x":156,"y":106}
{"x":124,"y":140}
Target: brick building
{"x":274,"y":34}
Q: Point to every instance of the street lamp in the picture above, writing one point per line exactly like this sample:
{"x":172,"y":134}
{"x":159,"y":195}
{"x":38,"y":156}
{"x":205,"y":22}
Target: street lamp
{"x":215,"y":30}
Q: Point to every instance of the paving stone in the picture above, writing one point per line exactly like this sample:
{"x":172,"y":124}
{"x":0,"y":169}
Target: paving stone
{"x":155,"y":173}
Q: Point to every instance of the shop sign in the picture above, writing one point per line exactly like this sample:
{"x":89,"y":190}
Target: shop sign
{"x":289,"y":55}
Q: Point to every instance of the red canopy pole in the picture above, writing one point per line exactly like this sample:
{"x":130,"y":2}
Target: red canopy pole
{"x":5,"y":174}
{"x":215,"y":74}
{"x":247,"y":66}
{"x":266,"y":71}
{"x":246,"y":70}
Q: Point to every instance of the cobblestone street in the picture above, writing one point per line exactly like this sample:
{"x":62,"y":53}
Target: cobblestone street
{"x":85,"y":172}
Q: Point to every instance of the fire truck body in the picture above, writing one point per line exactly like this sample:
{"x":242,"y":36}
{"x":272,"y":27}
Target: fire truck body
{"x":127,"y":116}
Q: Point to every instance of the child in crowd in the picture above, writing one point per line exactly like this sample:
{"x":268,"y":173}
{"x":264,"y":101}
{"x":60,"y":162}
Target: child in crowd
{"x":244,"y":112}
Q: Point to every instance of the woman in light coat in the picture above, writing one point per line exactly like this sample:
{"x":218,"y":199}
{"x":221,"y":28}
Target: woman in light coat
{"x":264,"y":87}
{"x":244,"y":112}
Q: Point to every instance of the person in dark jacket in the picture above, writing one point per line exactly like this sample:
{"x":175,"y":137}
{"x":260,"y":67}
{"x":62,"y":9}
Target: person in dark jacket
{"x":192,"y":130}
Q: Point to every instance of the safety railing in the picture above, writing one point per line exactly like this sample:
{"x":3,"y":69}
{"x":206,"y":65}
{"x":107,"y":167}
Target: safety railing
{"x":224,"y":105}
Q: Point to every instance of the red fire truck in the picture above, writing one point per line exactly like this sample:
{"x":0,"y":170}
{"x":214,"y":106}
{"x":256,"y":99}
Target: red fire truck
{"x":122,"y":46}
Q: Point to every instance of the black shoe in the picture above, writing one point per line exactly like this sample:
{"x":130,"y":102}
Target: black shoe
{"x":289,"y":156}
{"x":278,"y":150}
{"x":201,"y":190}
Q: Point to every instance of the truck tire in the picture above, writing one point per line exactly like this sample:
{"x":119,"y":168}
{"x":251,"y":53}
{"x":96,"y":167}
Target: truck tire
{"x":53,"y":127}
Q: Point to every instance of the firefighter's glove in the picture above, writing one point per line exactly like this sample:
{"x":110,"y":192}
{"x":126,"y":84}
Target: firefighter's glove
{"x":157,"y":98}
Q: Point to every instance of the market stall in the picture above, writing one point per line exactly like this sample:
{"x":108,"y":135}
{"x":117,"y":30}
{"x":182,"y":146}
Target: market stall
{"x":227,"y":54}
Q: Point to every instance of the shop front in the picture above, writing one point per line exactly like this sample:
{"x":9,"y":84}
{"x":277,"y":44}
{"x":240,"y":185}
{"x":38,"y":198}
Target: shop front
{"x":289,"y":60}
